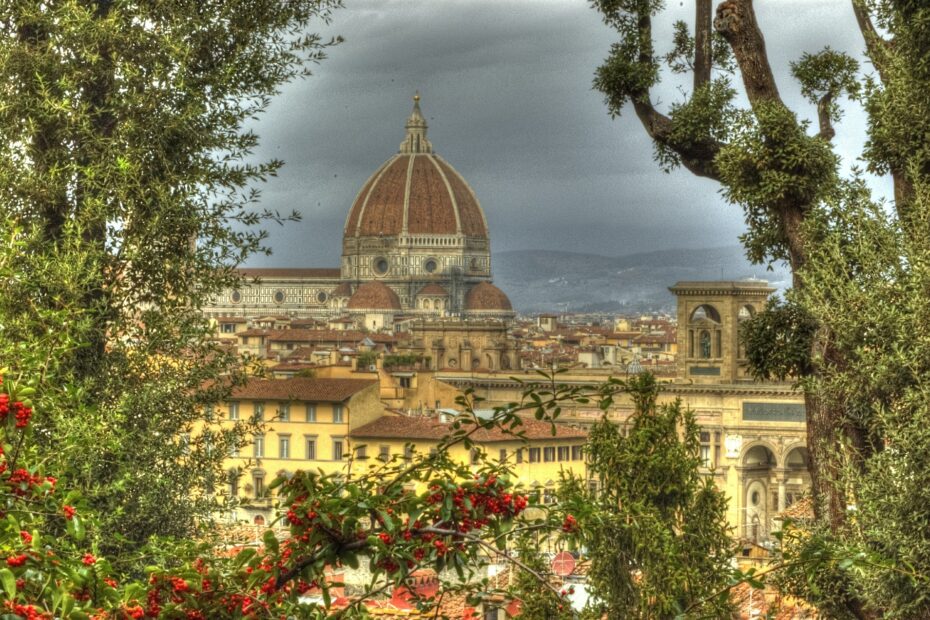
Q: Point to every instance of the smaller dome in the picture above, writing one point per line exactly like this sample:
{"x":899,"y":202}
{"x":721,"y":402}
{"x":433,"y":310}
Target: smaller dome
{"x":486,"y":296}
{"x":343,"y":290}
{"x":434,"y":290}
{"x":374,"y":295}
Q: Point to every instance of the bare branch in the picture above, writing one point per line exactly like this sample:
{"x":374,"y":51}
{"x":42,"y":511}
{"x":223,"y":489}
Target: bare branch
{"x":823,"y":117}
{"x":736,"y":22}
{"x":703,"y":59}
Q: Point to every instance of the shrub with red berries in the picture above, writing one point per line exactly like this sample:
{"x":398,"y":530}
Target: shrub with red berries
{"x":458,"y":521}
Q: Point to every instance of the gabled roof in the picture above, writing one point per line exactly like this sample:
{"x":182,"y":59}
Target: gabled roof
{"x":302,"y":388}
{"x":282,"y":272}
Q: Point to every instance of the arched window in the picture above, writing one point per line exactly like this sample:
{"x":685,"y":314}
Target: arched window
{"x":705,"y":344}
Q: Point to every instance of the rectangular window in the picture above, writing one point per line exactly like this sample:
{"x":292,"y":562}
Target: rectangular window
{"x":233,"y":483}
{"x":548,"y":496}
{"x":503,"y":456}
{"x":284,"y":446}
{"x":337,"y":449}
{"x":284,"y":412}
{"x":408,"y":451}
{"x":577,"y":453}
{"x":717,"y":448}
{"x":234,"y":449}
{"x":337,"y":414}
{"x":563,"y":453}
{"x":705,"y":449}
{"x":475,"y":456}
{"x":534,"y":455}
{"x":258,"y":411}
{"x":311,"y":448}
{"x":258,"y":446}
{"x":519,"y":455}
{"x":311,"y":413}
{"x":229,"y":328}
{"x":234,"y":411}
{"x":259,"y":483}
{"x":361,"y":452}
{"x":549,"y":454}
{"x":404,"y":382}
{"x":384,"y":453}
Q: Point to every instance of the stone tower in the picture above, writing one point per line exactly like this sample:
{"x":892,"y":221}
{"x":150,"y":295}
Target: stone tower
{"x":709,"y":314}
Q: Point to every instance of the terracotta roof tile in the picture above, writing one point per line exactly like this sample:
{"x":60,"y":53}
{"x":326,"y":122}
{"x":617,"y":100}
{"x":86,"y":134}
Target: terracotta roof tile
{"x":486,"y":296}
{"x":433,"y":289}
{"x":343,"y":290}
{"x":383,"y":214}
{"x":470,"y":215}
{"x":302,"y":388}
{"x":282,"y":272}
{"x":437,"y":200}
{"x":324,"y":336}
{"x":409,"y":427}
{"x":374,"y":295}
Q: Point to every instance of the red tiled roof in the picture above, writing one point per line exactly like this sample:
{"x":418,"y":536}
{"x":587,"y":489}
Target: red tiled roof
{"x":289,"y":272}
{"x":486,"y":296}
{"x":433,"y":289}
{"x":324,"y":336}
{"x":409,"y":427}
{"x":303,"y":388}
{"x":374,"y":295}
{"x":419,"y":190}
{"x":343,"y":290}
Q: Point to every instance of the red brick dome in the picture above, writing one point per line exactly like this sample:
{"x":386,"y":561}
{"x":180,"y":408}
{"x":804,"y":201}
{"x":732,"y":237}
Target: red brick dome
{"x":433,"y":289}
{"x":416,"y":193}
{"x":486,"y":296}
{"x":374,"y":296}
{"x":343,"y":290}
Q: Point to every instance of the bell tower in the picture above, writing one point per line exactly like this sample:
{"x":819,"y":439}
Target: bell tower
{"x":709,"y":314}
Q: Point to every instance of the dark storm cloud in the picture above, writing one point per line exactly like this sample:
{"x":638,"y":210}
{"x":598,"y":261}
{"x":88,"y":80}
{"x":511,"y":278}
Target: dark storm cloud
{"x":506,"y":89}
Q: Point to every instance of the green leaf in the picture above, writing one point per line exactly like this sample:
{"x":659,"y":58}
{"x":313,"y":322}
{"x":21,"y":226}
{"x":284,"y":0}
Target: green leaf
{"x":8,"y":579}
{"x":75,"y":528}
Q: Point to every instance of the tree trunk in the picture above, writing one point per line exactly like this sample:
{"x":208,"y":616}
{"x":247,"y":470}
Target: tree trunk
{"x":703,"y":59}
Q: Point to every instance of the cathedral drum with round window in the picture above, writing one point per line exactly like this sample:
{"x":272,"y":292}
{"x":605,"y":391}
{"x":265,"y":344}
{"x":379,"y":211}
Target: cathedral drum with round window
{"x":381,"y":266}
{"x":235,"y":297}
{"x":279,"y":297}
{"x":430,"y":265}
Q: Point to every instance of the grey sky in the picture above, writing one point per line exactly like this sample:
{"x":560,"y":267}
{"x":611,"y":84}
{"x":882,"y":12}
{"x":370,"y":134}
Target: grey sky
{"x":506,"y":88}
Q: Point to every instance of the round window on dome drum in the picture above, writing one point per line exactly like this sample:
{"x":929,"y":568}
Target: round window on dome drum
{"x":381,"y":266}
{"x":321,"y":297}
{"x":279,"y":297}
{"x":430,"y":265}
{"x":235,"y":297}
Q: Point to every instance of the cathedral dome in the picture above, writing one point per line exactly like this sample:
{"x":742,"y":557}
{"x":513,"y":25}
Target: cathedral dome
{"x":343,"y":290}
{"x":374,"y":295}
{"x":486,"y":296}
{"x":416,"y":192}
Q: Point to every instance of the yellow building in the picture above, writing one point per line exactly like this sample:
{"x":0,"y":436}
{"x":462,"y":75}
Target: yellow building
{"x":307,"y":425}
{"x":536,"y":463}
{"x":314,"y":423}
{"x":753,"y":434}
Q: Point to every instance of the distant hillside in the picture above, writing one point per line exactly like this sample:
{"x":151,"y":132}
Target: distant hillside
{"x":551,"y":281}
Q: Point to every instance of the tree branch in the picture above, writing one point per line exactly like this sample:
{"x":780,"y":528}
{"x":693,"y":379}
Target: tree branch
{"x":736,"y":22}
{"x":823,"y":117}
{"x":876,"y":47}
{"x":699,"y":159}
